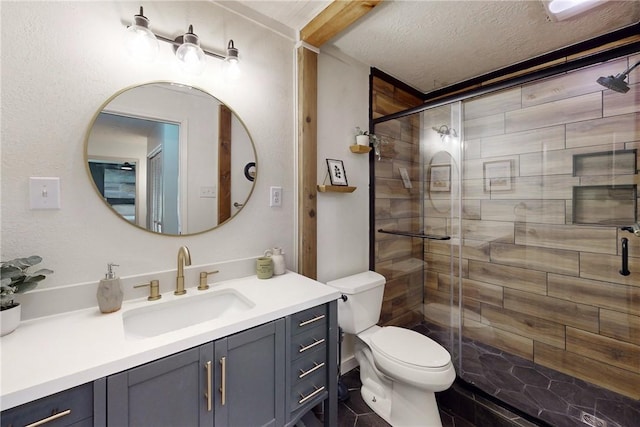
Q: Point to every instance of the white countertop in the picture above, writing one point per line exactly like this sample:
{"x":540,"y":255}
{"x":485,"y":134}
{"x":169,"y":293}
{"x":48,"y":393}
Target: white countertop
{"x":50,"y":354}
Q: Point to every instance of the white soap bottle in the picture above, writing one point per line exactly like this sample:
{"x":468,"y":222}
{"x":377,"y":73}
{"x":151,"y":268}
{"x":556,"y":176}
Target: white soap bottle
{"x":110,"y":293}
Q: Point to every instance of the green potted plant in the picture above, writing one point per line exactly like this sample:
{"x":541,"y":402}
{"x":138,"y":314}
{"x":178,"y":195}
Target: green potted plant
{"x":16,"y":280}
{"x":364,"y":137}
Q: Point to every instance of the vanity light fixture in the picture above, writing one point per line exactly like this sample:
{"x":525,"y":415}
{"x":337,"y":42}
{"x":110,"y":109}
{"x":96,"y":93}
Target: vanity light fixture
{"x":445,"y":132}
{"x":187,"y":46}
{"x":232,"y":60}
{"x":141,"y":43}
{"x":190,"y":54}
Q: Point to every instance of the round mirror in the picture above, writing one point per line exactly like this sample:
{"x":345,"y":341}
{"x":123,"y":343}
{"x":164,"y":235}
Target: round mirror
{"x":170,"y":158}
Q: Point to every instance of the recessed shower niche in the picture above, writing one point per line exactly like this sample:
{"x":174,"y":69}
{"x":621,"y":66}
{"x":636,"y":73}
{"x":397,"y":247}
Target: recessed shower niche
{"x":604,"y":204}
{"x":613,"y":202}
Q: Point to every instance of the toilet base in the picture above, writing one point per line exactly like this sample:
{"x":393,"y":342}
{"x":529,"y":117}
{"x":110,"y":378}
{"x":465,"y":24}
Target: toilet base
{"x":404,"y":407}
{"x":399,"y":404}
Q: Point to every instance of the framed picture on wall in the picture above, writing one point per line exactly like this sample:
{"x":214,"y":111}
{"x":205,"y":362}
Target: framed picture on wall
{"x":497,"y":175}
{"x":440,"y":178}
{"x":337,"y":174}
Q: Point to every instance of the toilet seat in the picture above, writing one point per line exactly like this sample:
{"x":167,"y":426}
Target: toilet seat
{"x":409,"y":348}
{"x":407,"y":356}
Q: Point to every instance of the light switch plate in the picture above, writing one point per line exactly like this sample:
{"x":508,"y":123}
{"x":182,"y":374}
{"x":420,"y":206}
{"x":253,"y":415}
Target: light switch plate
{"x":44,"y":192}
{"x":275,"y":199}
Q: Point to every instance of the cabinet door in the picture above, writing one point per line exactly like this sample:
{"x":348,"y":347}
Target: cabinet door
{"x":250,"y":377}
{"x":170,"y":392}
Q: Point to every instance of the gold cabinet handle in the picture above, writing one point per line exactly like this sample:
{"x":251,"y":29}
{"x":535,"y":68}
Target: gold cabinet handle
{"x":305,"y":348}
{"x":310,"y":396}
{"x":207,"y":367}
{"x":304,"y":373}
{"x":223,"y":380}
{"x":49,"y":419}
{"x":306,"y":322}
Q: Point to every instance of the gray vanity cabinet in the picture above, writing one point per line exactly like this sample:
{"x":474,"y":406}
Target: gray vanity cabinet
{"x":269,"y":375}
{"x":167,"y":392}
{"x":250,"y":377}
{"x":234,"y":381}
{"x":312,"y":357}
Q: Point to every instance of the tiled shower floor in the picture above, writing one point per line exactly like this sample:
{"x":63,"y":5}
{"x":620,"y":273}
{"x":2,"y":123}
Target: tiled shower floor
{"x":546,"y":394}
{"x":457,"y":409}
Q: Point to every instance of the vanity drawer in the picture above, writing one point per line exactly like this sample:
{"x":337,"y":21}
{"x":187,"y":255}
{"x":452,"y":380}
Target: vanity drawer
{"x":308,"y":342}
{"x":73,"y":407}
{"x":310,"y":318}
{"x":312,"y":389}
{"x":306,"y":367}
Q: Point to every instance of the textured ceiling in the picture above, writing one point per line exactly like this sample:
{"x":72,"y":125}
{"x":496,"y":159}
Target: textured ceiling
{"x":429,"y":44}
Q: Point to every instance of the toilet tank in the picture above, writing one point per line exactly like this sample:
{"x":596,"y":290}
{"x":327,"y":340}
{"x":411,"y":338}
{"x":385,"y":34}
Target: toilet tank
{"x":364,"y":292}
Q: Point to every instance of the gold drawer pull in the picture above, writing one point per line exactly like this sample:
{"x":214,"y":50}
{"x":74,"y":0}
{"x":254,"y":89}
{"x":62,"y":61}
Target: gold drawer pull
{"x":207,"y":367}
{"x":223,"y":381}
{"x":305,"y":348}
{"x":304,"y":373}
{"x":306,"y":322}
{"x":311,"y":396}
{"x":49,"y":419}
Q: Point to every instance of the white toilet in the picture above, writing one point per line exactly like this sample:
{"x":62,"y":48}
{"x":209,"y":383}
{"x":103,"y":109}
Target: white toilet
{"x":400,"y":369}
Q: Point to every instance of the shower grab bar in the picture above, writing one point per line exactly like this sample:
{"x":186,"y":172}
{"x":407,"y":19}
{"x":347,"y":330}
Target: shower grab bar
{"x":418,"y":235}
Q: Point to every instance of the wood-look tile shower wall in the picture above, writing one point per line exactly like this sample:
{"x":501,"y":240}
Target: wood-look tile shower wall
{"x":398,"y":258}
{"x":534,"y":282}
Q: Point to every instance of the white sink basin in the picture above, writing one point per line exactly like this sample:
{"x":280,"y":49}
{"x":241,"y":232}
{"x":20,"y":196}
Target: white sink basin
{"x":165,"y":317}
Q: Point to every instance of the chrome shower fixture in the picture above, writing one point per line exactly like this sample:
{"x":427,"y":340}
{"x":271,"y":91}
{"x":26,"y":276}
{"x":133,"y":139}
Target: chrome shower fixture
{"x":445,"y":131}
{"x":617,"y":83}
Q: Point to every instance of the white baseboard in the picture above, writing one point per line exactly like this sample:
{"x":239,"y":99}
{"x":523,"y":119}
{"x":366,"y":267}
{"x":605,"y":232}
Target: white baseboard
{"x":348,"y":364}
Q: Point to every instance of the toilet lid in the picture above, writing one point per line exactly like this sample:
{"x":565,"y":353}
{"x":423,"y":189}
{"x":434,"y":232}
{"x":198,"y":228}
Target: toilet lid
{"x":410,"y":347}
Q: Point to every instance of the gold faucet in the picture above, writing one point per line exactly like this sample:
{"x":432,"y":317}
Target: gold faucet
{"x":184,"y":258}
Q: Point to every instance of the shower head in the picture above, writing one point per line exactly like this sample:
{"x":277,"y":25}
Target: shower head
{"x":617,"y":83}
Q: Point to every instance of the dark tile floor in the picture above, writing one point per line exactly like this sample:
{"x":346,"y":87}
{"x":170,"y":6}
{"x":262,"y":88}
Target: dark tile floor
{"x":558,"y":399}
{"x":458,"y":408}
{"x":498,"y":389}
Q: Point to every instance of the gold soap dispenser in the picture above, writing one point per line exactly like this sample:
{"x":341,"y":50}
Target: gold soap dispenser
{"x":110,"y":293}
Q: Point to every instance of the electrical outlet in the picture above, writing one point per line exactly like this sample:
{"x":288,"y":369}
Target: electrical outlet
{"x":275,"y":198}
{"x":208,"y":192}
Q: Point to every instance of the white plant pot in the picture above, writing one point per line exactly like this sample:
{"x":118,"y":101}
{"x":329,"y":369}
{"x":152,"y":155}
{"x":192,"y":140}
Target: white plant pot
{"x":10,"y":319}
{"x":362,"y":140}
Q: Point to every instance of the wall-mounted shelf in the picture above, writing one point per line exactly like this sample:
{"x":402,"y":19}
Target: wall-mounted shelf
{"x":336,"y":189}
{"x":359,"y":149}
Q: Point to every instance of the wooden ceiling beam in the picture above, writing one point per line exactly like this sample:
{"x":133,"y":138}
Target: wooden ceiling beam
{"x":335,"y":18}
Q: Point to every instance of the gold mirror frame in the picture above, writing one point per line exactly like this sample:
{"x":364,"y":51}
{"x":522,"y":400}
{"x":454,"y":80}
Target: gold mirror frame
{"x":232,"y":173}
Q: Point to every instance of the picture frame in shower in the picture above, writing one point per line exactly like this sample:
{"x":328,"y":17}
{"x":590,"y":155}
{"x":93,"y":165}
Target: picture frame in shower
{"x":440,"y":178}
{"x":337,"y":175}
{"x":497,"y":175}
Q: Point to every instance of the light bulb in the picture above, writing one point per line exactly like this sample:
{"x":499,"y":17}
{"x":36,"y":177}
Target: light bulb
{"x":190,"y":54}
{"x":233,"y":61}
{"x":140,"y":42}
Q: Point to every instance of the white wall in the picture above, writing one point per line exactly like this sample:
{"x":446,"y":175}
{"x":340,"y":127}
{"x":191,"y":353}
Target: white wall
{"x":70,"y":60}
{"x":343,"y":218}
{"x":66,"y":62}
